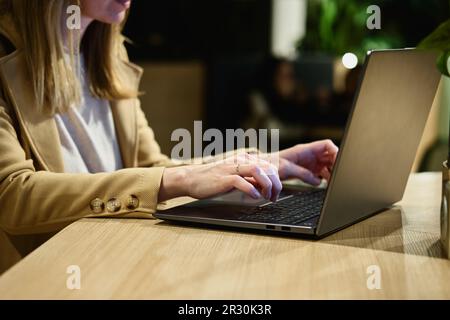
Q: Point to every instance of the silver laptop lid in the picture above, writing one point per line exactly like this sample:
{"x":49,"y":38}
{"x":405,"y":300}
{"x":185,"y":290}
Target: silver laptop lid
{"x":383,"y":132}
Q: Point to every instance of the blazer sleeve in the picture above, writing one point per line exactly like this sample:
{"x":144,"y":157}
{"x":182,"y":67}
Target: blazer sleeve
{"x":34,"y":201}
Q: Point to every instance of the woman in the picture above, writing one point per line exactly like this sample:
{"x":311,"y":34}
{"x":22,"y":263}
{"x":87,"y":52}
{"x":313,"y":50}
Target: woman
{"x":74,"y":142}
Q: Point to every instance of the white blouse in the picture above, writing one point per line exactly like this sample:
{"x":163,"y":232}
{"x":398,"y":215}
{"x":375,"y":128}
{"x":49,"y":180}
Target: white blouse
{"x":87,"y":133}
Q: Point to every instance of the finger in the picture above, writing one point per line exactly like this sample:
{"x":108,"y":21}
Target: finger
{"x":334,"y":159}
{"x":259,"y":175}
{"x":325,"y":173}
{"x":324,"y":147}
{"x":328,"y":160}
{"x":331,"y":149}
{"x":241,"y":184}
{"x":251,"y":180}
{"x":303,"y":174}
{"x":272,"y":173}
{"x":268,"y":169}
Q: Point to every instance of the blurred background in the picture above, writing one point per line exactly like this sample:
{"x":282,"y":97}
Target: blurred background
{"x":272,"y":64}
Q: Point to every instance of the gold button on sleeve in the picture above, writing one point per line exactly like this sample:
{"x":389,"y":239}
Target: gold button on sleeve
{"x":113,"y":205}
{"x":132,"y":202}
{"x":97,"y":205}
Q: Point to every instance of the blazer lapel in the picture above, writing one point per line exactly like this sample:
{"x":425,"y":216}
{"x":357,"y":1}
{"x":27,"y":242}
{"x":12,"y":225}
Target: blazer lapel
{"x":124,"y":113}
{"x":40,"y":129}
{"x":125,"y":123}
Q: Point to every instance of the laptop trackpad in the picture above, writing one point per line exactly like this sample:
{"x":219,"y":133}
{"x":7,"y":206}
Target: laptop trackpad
{"x":237,"y":198}
{"x":234,"y":198}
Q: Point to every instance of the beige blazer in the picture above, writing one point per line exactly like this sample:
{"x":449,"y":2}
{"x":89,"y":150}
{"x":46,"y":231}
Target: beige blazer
{"x":37,"y":198}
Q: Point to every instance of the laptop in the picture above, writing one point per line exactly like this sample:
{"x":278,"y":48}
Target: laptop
{"x":384,"y":128}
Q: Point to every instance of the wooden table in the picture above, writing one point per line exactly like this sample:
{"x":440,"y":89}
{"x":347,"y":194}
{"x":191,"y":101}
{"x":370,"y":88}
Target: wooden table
{"x":150,"y":259}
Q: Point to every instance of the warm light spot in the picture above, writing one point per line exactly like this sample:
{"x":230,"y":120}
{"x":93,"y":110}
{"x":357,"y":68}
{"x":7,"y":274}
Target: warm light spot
{"x":349,"y":60}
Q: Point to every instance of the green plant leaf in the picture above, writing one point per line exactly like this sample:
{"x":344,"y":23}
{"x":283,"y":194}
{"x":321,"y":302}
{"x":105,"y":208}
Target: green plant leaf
{"x":442,"y":63}
{"x":438,"y":39}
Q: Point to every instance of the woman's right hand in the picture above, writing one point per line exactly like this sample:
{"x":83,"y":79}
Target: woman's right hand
{"x":256,"y":177}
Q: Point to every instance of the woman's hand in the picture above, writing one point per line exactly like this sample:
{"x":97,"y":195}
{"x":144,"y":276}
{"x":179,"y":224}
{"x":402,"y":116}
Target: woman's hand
{"x":309,"y":162}
{"x":253,"y":176}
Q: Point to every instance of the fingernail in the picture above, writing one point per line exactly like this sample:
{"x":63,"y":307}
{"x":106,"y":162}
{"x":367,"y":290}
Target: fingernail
{"x":256,"y":194}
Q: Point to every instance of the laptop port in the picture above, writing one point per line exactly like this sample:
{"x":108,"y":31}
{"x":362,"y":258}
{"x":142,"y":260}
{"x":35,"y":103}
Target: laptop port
{"x":270,"y":227}
{"x":286,"y":228}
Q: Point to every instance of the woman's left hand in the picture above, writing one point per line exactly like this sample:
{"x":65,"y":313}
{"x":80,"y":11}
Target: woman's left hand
{"x":310,"y":162}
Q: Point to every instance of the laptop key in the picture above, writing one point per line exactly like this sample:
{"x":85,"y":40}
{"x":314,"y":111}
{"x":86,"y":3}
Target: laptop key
{"x":290,"y":210}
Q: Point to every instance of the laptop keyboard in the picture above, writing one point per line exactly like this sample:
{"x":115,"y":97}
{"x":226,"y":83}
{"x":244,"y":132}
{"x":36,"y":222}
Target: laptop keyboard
{"x":291,"y":210}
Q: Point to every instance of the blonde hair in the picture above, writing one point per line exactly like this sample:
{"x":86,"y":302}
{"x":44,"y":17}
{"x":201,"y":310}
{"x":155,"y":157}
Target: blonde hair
{"x":55,"y":81}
